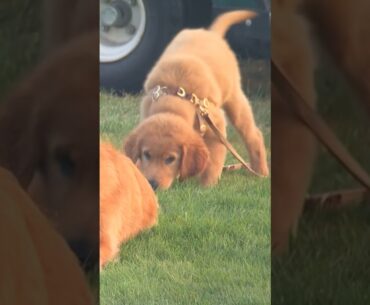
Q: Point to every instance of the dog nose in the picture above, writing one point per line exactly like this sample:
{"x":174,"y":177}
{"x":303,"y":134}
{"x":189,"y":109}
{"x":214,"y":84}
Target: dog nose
{"x":85,"y":253}
{"x":153,"y":183}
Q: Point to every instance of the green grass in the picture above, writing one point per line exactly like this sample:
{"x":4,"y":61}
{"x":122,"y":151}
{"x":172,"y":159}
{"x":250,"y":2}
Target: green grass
{"x":212,"y":246}
{"x":329,"y":261}
{"x":20,"y":36}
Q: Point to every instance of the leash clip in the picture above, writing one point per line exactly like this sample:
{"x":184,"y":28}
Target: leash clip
{"x":203,"y":106}
{"x":158,"y":91}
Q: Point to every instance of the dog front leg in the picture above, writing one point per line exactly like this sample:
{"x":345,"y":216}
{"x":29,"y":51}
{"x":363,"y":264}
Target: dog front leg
{"x":217,"y":153}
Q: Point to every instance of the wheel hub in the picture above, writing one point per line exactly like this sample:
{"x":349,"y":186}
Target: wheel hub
{"x":117,"y":14}
{"x":122,"y":25}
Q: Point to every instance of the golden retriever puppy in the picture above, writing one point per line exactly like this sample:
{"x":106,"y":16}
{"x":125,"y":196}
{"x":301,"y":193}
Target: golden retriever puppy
{"x":168,"y":143}
{"x":292,"y":143}
{"x":49,"y":140}
{"x":128,"y":205}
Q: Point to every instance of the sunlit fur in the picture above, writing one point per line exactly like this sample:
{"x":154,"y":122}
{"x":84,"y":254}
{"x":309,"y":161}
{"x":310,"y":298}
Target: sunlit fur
{"x":128,"y":205}
{"x":201,"y":62}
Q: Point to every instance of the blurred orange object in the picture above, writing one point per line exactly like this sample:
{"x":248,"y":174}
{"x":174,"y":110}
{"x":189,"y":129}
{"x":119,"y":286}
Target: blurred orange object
{"x":128,"y":204}
{"x":37,"y":266}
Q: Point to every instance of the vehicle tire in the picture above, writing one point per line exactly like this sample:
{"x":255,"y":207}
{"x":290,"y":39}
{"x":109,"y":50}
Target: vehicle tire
{"x":124,"y":69}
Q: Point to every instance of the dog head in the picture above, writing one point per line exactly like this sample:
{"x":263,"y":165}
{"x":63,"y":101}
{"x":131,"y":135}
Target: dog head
{"x":49,"y":140}
{"x":165,"y":147}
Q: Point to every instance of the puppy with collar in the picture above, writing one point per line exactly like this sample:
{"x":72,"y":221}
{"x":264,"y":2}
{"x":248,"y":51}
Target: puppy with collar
{"x":171,"y":141}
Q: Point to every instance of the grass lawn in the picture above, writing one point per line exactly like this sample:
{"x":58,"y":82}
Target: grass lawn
{"x":329,"y":262}
{"x":20,"y":23}
{"x":212,"y":246}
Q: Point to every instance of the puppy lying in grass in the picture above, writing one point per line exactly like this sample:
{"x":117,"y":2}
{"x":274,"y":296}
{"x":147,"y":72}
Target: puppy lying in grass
{"x":171,"y":141}
{"x":128,"y":205}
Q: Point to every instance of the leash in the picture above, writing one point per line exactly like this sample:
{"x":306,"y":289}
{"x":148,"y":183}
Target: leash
{"x":202,"y":106}
{"x":229,"y":147}
{"x":315,"y":123}
{"x":336,"y":199}
{"x":232,"y":167}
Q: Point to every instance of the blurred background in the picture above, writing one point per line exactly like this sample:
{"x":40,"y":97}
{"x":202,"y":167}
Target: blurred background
{"x":20,"y":36}
{"x":129,"y":47}
{"x":133,"y":34}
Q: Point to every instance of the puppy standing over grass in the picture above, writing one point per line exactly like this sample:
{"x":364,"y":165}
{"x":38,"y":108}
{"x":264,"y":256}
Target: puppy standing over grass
{"x":167,"y":144}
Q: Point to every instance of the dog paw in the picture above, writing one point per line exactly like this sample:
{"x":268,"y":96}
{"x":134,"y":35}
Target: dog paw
{"x":261,"y":169}
{"x":265,"y":171}
{"x":208,"y":180}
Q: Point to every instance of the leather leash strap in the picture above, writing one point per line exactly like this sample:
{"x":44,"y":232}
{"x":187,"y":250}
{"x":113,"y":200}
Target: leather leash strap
{"x":232,"y":167}
{"x":228,"y":145}
{"x":336,"y":199}
{"x":318,"y":127}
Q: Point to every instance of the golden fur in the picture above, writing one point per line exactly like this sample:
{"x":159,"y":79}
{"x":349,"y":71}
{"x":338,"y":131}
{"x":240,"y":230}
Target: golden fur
{"x":49,"y":140}
{"x":201,"y":62}
{"x":37,"y":266}
{"x":342,"y":29}
{"x":128,"y":205}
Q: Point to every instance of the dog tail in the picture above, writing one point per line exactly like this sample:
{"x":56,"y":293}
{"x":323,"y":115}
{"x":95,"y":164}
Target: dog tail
{"x":223,"y":22}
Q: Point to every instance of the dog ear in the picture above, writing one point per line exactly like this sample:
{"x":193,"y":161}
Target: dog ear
{"x":19,"y":153}
{"x":131,"y":146}
{"x":194,"y":159}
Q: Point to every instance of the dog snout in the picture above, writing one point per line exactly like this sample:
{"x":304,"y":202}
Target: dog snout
{"x":153,"y":183}
{"x":85,"y":253}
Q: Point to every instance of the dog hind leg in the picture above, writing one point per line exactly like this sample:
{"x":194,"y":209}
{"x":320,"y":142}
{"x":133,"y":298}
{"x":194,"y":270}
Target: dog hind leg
{"x":241,"y":116}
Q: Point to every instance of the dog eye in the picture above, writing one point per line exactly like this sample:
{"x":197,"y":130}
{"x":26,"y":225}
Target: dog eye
{"x":169,"y":160}
{"x":146,"y":155}
{"x":66,"y":165}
